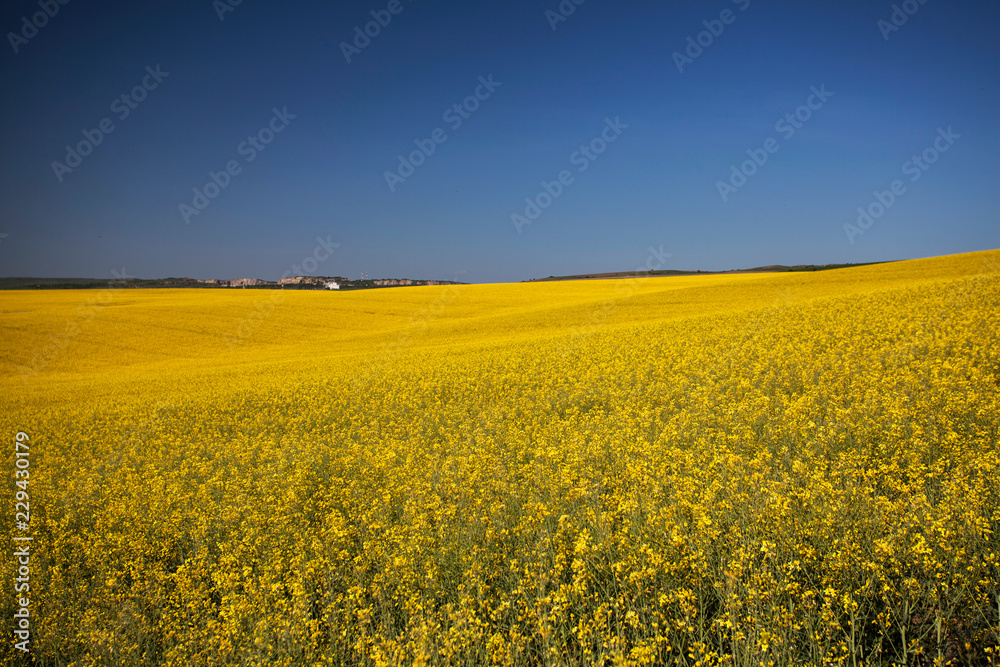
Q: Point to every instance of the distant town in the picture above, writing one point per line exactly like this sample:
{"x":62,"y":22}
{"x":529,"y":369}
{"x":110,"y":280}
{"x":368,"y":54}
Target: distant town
{"x":297,"y":282}
{"x":340,"y":283}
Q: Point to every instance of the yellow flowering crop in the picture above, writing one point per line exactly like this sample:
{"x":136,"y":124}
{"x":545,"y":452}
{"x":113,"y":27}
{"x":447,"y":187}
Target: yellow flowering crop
{"x":782,"y":469}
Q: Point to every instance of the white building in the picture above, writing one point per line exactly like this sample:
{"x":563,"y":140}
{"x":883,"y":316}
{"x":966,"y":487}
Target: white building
{"x":332,"y":285}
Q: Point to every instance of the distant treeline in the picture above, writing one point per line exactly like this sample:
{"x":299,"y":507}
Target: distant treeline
{"x":94,"y":283}
{"x":185,"y":283}
{"x":674,"y":272}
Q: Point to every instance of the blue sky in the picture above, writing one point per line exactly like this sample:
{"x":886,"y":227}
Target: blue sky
{"x":890,"y":94}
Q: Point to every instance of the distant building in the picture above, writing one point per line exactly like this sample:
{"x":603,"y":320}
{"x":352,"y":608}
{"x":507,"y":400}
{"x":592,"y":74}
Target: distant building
{"x":302,"y":280}
{"x":248,"y":282}
{"x":333,"y":284}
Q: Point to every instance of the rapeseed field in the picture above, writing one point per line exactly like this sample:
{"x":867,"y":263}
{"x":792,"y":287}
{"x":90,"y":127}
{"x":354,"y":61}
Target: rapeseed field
{"x":783,"y":469}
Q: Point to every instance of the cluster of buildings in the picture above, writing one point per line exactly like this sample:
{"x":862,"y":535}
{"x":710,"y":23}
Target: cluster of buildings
{"x":316,"y":283}
{"x":298,"y":281}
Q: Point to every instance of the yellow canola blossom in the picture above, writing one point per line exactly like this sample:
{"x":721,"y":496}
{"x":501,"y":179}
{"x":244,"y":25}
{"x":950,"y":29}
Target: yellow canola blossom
{"x":779,"y":469}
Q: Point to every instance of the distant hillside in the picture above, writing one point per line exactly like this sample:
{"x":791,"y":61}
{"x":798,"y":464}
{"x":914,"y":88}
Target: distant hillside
{"x":773,"y":268}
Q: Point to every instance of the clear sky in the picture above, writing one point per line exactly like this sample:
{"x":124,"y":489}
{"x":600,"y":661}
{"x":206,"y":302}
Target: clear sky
{"x":652,"y":147}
